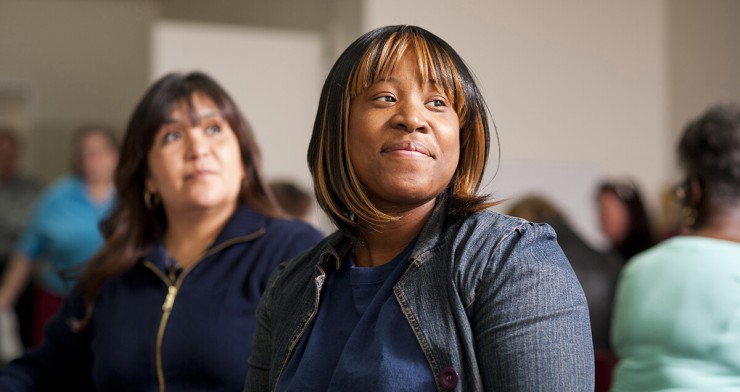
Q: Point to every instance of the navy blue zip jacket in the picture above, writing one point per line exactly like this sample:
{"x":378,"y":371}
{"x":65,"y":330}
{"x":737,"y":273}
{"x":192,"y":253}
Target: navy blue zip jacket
{"x":153,"y":333}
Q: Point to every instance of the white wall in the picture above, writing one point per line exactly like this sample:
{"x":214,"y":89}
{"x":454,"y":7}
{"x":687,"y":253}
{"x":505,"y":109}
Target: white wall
{"x":577,"y":89}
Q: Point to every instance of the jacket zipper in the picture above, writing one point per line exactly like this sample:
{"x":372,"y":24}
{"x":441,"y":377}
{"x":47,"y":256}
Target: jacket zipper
{"x":169,"y":301}
{"x":173,"y":288}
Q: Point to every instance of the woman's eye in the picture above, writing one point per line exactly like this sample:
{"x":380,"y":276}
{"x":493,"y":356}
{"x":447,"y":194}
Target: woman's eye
{"x":213,"y":129}
{"x":171,"y":136}
{"x":385,"y":98}
{"x":437,"y":103}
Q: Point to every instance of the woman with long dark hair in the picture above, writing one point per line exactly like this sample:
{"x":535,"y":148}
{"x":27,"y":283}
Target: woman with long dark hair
{"x":623,"y":218}
{"x":169,"y":303}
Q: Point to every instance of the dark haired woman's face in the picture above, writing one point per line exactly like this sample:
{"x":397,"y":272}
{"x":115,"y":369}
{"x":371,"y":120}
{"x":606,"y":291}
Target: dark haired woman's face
{"x":613,"y":217}
{"x":98,"y":158}
{"x":403,"y":138}
{"x":195,"y":166}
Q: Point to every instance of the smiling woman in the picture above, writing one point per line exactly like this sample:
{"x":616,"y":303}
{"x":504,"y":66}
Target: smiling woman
{"x":169,"y":302}
{"x":421,"y":288}
{"x":413,"y":163}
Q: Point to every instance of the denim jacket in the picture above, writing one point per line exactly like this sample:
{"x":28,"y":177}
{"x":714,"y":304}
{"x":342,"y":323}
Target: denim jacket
{"x":492,"y":300}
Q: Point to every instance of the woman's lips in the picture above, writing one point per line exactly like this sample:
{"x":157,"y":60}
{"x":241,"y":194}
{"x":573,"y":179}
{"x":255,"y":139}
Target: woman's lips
{"x":198,"y":174}
{"x":409,"y":146}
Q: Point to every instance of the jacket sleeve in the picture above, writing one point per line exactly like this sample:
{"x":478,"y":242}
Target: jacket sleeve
{"x":62,"y":362}
{"x":258,"y":373}
{"x":530,"y":318}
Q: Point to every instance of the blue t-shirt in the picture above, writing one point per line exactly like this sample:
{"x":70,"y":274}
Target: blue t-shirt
{"x":360,"y":340}
{"x":64,"y":231}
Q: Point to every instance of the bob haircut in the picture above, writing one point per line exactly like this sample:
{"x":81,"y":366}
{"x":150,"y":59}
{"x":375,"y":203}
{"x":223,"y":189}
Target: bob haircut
{"x":133,"y":228}
{"x":370,"y":59}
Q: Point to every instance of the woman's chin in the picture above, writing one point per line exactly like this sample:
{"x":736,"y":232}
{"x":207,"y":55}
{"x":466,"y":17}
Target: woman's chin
{"x":406,"y":199}
{"x":205,"y":204}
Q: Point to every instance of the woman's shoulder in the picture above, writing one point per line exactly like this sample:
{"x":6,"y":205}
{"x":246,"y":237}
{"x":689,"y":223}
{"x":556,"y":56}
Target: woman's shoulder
{"x":57,"y":195}
{"x":282,"y":227}
{"x":494,"y":227}
{"x":684,"y":252}
{"x":273,"y":229}
{"x":491,"y":241}
{"x":60,"y":188}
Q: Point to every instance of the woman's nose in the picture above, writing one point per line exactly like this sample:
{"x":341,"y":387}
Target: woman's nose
{"x":197,"y":145}
{"x":410,"y":117}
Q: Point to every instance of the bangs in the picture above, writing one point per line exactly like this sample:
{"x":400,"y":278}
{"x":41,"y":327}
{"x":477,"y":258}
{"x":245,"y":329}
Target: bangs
{"x":183,"y":99}
{"x":434,"y":62}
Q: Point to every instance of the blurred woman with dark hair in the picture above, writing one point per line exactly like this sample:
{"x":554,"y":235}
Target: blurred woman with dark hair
{"x":623,"y":218}
{"x":169,"y":302}
{"x":676,"y":324}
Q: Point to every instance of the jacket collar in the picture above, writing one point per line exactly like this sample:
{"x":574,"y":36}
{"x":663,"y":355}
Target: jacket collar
{"x":245,"y":224}
{"x":433,"y":231}
{"x":338,"y":244}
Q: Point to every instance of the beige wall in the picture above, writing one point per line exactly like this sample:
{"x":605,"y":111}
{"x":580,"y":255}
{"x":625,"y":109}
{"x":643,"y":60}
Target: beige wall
{"x":277,"y":97}
{"x":80,"y":62}
{"x":310,"y":15}
{"x":577,"y":89}
{"x":704,"y":60}
{"x":338,"y":21}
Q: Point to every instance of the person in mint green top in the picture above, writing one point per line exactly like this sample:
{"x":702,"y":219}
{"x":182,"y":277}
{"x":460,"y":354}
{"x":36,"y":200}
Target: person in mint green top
{"x":676,"y":322}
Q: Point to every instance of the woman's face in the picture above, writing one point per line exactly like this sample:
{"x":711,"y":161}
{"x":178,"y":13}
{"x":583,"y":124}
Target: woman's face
{"x":195,"y":166}
{"x":613,"y":216}
{"x":403,"y":138}
{"x":98,"y":158}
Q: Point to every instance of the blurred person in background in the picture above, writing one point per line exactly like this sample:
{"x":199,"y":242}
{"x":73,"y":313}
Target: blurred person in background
{"x":17,"y":194}
{"x":169,"y":302}
{"x":623,"y":218}
{"x":295,"y":201}
{"x":676,"y":324}
{"x":597,"y":272}
{"x":671,"y":218}
{"x":63,"y":231}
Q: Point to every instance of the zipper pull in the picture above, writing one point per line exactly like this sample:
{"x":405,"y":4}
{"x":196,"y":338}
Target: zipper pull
{"x":170,"y":300}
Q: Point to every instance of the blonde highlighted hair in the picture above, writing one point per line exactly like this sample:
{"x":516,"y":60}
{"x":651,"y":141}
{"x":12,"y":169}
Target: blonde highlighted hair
{"x":370,"y":59}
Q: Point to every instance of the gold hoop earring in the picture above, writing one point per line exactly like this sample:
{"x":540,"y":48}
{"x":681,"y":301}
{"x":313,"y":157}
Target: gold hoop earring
{"x":151,"y":200}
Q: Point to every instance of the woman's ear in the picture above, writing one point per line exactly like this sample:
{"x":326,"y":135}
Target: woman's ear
{"x":694,"y":192}
{"x":150,"y":186}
